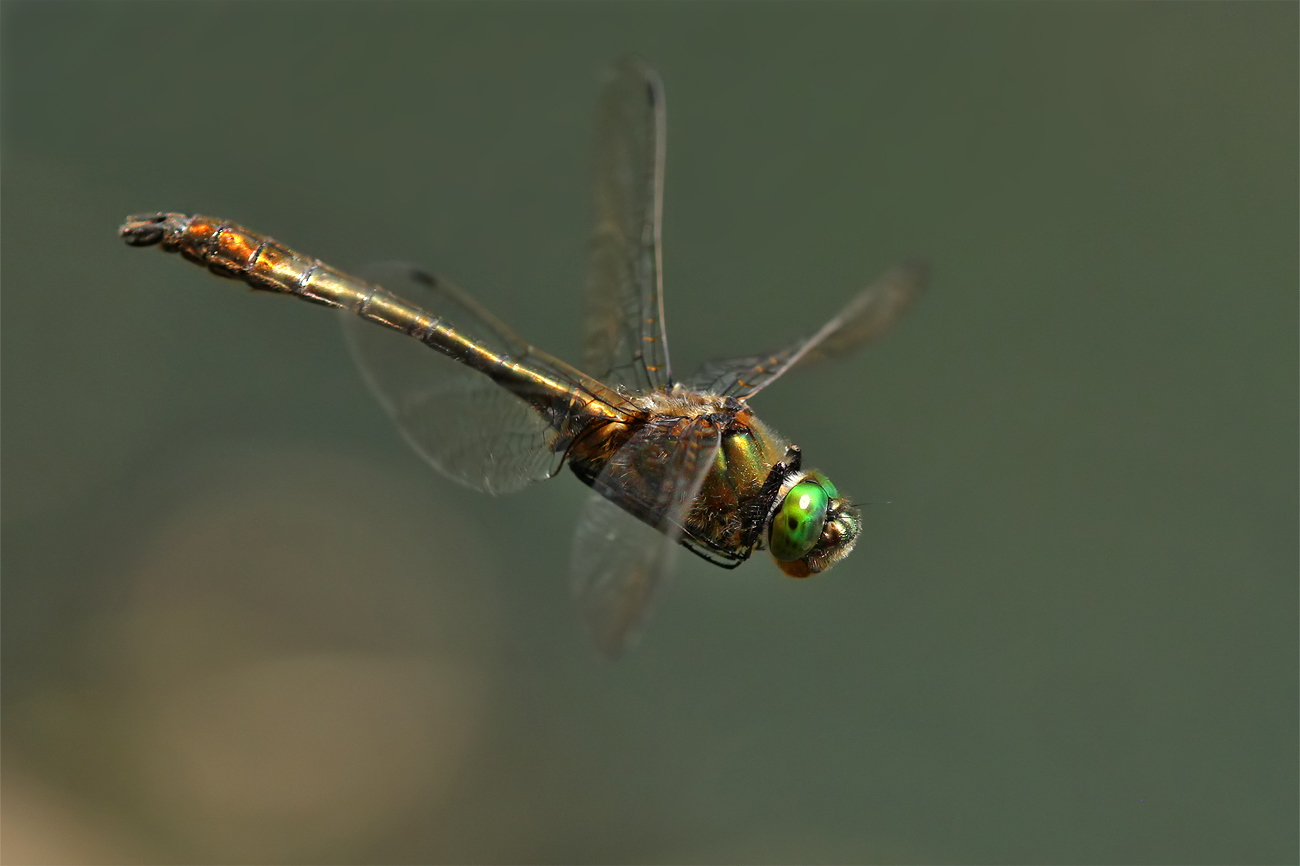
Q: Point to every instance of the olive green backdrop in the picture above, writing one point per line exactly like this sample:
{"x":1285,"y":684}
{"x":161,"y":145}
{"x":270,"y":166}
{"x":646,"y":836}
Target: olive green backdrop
{"x":243,"y":623}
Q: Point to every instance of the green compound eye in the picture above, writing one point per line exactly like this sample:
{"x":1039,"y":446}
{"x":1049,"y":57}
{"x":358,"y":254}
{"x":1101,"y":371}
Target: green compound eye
{"x":825,"y":484}
{"x":798,"y":523}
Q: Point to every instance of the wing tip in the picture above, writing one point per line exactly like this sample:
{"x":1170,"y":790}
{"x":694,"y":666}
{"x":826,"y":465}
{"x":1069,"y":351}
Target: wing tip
{"x":916,"y":270}
{"x":637,"y":68}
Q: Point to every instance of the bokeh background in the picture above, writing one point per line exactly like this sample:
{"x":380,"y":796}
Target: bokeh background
{"x":243,"y":623}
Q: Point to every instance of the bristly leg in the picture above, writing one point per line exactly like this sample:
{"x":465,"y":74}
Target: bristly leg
{"x":765,"y":504}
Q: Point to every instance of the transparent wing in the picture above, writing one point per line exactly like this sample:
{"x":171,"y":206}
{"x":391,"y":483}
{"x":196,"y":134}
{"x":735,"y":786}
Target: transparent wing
{"x":619,"y":561}
{"x":865,"y":317}
{"x":470,"y":428}
{"x":624,"y":338}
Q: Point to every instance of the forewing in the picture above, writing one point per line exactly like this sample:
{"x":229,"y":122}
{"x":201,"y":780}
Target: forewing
{"x":865,"y":317}
{"x":619,"y":561}
{"x":625,"y":343}
{"x":458,"y":419}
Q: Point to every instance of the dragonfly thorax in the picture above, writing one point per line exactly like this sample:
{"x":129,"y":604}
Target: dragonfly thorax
{"x":681,"y":401}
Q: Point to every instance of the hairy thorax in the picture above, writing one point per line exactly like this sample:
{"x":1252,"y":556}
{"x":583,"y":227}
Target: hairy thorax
{"x":722,"y":522}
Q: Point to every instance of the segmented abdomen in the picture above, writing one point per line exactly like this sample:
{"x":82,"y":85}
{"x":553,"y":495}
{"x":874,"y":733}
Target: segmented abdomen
{"x":565,"y":397}
{"x":233,"y":251}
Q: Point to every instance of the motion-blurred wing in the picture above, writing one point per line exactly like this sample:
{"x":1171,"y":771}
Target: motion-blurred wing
{"x":470,"y":428}
{"x":627,"y":537}
{"x":865,"y":317}
{"x":625,"y":344}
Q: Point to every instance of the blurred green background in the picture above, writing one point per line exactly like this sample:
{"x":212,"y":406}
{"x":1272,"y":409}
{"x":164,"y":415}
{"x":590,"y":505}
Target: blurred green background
{"x":243,"y":623}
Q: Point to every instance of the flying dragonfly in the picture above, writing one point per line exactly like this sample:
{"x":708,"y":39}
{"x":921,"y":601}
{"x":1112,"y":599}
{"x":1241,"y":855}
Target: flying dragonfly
{"x":670,"y":462}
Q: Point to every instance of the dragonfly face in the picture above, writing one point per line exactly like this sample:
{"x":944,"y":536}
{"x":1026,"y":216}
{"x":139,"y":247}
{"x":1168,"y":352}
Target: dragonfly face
{"x":669,"y":462}
{"x":812,"y":528}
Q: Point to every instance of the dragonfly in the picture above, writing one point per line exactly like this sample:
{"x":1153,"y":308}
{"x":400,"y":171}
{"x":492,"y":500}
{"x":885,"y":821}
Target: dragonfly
{"x":671,"y":463}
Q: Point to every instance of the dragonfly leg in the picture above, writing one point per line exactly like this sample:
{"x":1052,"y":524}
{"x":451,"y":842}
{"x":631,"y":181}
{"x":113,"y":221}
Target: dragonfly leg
{"x":764,"y":505}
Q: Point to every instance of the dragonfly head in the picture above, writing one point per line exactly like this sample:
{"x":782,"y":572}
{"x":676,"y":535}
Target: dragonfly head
{"x":813,"y":528}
